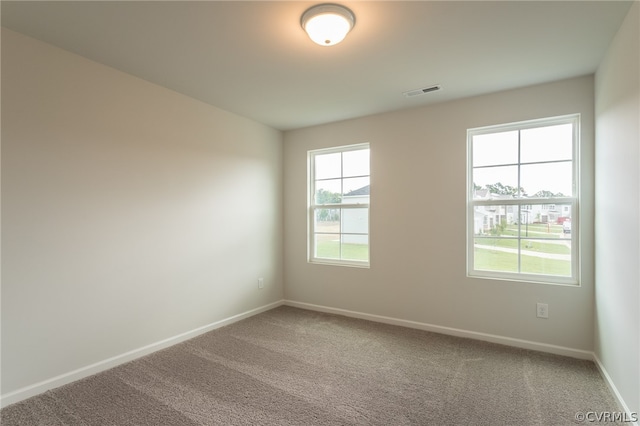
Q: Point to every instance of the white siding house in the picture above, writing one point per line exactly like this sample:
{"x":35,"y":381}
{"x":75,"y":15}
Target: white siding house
{"x":355,"y":222}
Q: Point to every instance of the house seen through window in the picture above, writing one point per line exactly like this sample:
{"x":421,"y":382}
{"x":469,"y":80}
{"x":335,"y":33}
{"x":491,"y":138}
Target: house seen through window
{"x":339,"y":188}
{"x":522,"y":218}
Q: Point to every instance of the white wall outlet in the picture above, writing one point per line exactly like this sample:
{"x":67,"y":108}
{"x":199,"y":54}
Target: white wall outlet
{"x":260,"y":282}
{"x":542,"y":310}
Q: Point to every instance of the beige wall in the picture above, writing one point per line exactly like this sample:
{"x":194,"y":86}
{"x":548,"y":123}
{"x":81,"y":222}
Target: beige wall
{"x":130,"y":213}
{"x":418,"y":221}
{"x":617,"y":342}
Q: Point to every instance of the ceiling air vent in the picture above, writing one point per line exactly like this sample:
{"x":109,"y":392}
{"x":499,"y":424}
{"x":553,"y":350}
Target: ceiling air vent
{"x":423,"y":91}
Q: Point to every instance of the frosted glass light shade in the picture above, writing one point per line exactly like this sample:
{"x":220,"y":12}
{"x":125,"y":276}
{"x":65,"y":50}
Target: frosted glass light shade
{"x":327,"y":24}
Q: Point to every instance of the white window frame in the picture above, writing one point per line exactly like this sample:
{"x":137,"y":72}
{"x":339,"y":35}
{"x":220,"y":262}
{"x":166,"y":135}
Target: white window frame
{"x":312,"y":207}
{"x":572,"y":200}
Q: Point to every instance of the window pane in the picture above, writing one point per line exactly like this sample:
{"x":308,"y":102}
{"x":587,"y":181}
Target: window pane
{"x":355,"y":163}
{"x":495,"y":181}
{"x":495,"y":254}
{"x":547,"y":220}
{"x":328,"y":166}
{"x":564,"y":222}
{"x":546,"y":257}
{"x":550,"y":143}
{"x":355,"y":221}
{"x":531,"y":225}
{"x":355,"y":247}
{"x":328,"y":191}
{"x":327,"y":221}
{"x":495,"y":220}
{"x":327,"y":246}
{"x":495,"y":149}
{"x":552,"y":249}
{"x":547,"y":180}
{"x":356,"y":190}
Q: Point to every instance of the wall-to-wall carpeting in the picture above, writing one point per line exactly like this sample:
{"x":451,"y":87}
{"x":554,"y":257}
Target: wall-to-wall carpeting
{"x":290,"y":366}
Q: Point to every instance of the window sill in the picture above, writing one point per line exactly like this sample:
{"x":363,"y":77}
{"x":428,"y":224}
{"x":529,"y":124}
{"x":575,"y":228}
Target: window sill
{"x":524,"y":278}
{"x":335,"y":262}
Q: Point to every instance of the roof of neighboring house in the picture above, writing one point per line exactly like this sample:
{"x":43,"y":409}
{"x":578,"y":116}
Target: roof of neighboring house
{"x":360,"y":191}
{"x":481,"y":193}
{"x":501,"y":196}
{"x":484,"y":193}
{"x":481,"y":213}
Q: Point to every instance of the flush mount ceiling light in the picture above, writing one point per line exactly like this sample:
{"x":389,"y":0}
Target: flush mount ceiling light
{"x":327,"y":24}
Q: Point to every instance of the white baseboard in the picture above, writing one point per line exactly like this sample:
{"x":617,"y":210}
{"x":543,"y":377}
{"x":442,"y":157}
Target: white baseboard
{"x":614,"y":390}
{"x":72,"y":376}
{"x":508,"y":341}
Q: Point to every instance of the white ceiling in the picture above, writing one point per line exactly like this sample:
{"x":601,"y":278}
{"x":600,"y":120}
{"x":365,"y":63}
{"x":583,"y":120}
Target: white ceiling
{"x":253,"y":58}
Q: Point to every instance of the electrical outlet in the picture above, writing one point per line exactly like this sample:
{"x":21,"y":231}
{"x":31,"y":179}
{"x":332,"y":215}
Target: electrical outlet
{"x":542,"y":310}
{"x":260,"y":282}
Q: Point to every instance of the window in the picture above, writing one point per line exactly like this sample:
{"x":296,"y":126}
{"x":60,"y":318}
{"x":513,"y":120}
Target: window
{"x":339,"y":186}
{"x":522,"y":216}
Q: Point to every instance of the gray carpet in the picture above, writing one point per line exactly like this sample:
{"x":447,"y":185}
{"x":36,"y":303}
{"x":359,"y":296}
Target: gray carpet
{"x":290,"y":366}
